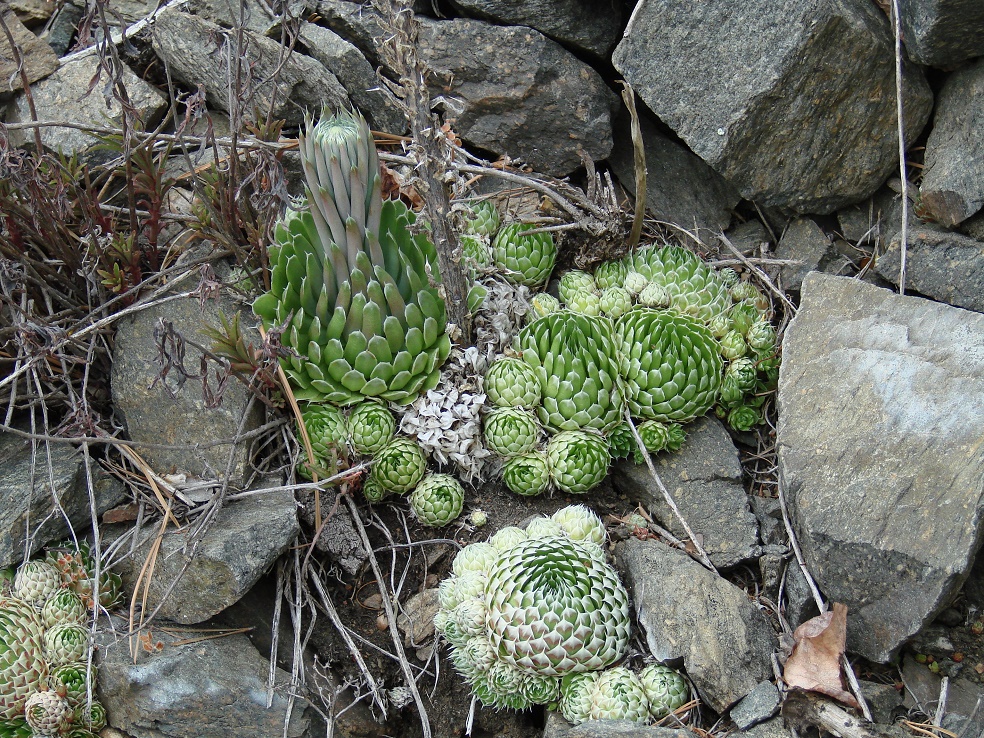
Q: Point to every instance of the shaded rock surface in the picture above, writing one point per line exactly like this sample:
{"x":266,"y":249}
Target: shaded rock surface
{"x":681,"y":188}
{"x":740,"y":84}
{"x":68,"y":89}
{"x":196,"y":51}
{"x":757,"y":706}
{"x":586,"y":25}
{"x":942,"y":33}
{"x":511,"y":90}
{"x":557,"y":727}
{"x":210,"y":688}
{"x":803,"y":241}
{"x":39,"y":60}
{"x":172,"y":410}
{"x":36,"y":499}
{"x":952,"y":187}
{"x":690,"y":614}
{"x":704,"y":479}
{"x":941,"y":264}
{"x":246,"y":538}
{"x":876,"y":439}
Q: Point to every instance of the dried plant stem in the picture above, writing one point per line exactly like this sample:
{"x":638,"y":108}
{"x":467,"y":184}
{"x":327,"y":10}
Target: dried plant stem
{"x":904,"y":237}
{"x":639,"y":159}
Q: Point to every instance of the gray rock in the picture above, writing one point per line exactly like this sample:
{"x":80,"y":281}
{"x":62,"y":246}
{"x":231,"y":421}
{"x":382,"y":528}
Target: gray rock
{"x":557,"y":727}
{"x":680,"y":187}
{"x":513,"y":91}
{"x":922,"y":691}
{"x":357,"y":76}
{"x":882,"y":699}
{"x":942,"y":33}
{"x":209,"y":688}
{"x":172,"y":410}
{"x":946,"y":266}
{"x":340,"y":540}
{"x":775,"y":728}
{"x":757,"y":706}
{"x":416,"y":620}
{"x":704,"y":479}
{"x":805,"y":242}
{"x":740,"y":83}
{"x":67,"y":89}
{"x":195,"y":51}
{"x":750,"y":237}
{"x":585,"y":25}
{"x":873,"y":221}
{"x":689,"y":613}
{"x":952,"y":187}
{"x":255,"y":15}
{"x":357,"y":23}
{"x":39,"y":60}
{"x":877,"y":439}
{"x":61,"y":29}
{"x":36,"y":499}
{"x":768,"y":513}
{"x":244,"y":541}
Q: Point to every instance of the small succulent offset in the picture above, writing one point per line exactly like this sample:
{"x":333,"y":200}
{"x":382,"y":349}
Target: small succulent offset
{"x":350,"y":281}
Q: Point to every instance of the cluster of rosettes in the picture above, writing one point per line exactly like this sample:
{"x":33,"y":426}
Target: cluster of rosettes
{"x":398,"y":465}
{"x":45,"y":680}
{"x":538,"y":617}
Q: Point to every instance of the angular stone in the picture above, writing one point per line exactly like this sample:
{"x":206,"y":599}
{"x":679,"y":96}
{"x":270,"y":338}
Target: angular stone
{"x":940,"y":264}
{"x":513,"y":91}
{"x":248,"y":535}
{"x":39,"y":59}
{"x":741,"y":84}
{"x":757,"y":706}
{"x":557,"y":727}
{"x":952,"y":187}
{"x":195,"y":51}
{"x":877,"y":441}
{"x":775,"y":728}
{"x":704,"y":479}
{"x":805,"y":242}
{"x":882,"y":699}
{"x":172,"y":410}
{"x":213,"y":688}
{"x":65,"y":95}
{"x":942,"y":33}
{"x":689,"y":613}
{"x":357,"y":23}
{"x":680,"y":187}
{"x":585,"y":25}
{"x":357,"y":76}
{"x":33,"y":492}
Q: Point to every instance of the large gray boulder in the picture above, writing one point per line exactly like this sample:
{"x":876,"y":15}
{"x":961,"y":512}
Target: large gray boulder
{"x":793,"y":103}
{"x":512,"y":91}
{"x":690,"y":614}
{"x":881,"y":452}
{"x":584,"y":25}
{"x":942,"y":33}
{"x":952,"y":188}
{"x":38,"y":58}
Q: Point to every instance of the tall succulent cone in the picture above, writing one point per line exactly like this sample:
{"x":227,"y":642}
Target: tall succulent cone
{"x":578,"y":460}
{"x":370,"y":427}
{"x":576,"y":362}
{"x":23,"y":670}
{"x":619,"y":695}
{"x":554,"y":609}
{"x":351,"y":281}
{"x":666,"y":688}
{"x":694,"y":288}
{"x":671,"y":365}
{"x":511,"y":430}
{"x":47,"y":713}
{"x":511,"y":382}
{"x":761,"y":337}
{"x":399,"y":465}
{"x":525,"y":258}
{"x":527,"y":474}
{"x":581,"y":524}
{"x":437,"y":500}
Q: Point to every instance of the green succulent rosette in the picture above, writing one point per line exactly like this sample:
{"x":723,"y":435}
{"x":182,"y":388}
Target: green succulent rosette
{"x":510,"y":431}
{"x":671,"y":365}
{"x":694,"y":287}
{"x":437,"y":500}
{"x":610,"y":274}
{"x":621,"y":442}
{"x":476,"y":248}
{"x":666,"y":688}
{"x":64,"y":606}
{"x":508,"y":537}
{"x":744,"y":417}
{"x":326,"y":430}
{"x":373,"y":491}
{"x":35,"y":581}
{"x":573,"y":283}
{"x":576,"y":363}
{"x":615,"y":301}
{"x":47,"y":713}
{"x":542,"y":303}
{"x":72,"y":680}
{"x":576,"y":691}
{"x":677,"y":435}
{"x":578,"y":460}
{"x":733,"y":345}
{"x":744,"y":372}
{"x":585,"y":303}
{"x":475,"y":557}
{"x":76,"y":566}
{"x":634,"y":283}
{"x":350,"y":281}
{"x":554,"y":609}
{"x":527,"y":474}
{"x":619,"y":695}
{"x":761,"y":337}
{"x":655,"y":435}
{"x":581,"y":523}
{"x":399,"y":465}
{"x":482,"y":219}
{"x":743,"y":315}
{"x":525,"y":258}
{"x":370,"y":426}
{"x":65,"y":643}
{"x":654,"y":295}
{"x":745,"y":291}
{"x":23,"y":669}
{"x":511,"y":382}
{"x":729,"y":277}
{"x":16,"y":728}
{"x":91,"y":717}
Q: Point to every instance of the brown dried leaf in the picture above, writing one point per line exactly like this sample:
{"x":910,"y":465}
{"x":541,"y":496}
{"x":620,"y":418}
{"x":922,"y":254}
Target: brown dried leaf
{"x":815,"y":663}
